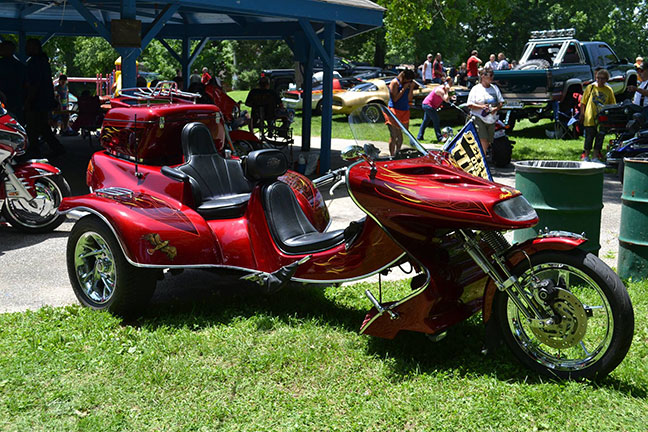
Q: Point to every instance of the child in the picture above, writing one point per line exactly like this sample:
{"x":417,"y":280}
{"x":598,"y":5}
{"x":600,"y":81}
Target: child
{"x":596,"y":95}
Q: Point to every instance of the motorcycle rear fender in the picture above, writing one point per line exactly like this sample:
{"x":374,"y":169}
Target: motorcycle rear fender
{"x":558,"y":242}
{"x":241,"y":135}
{"x":29,"y":172}
{"x":151,"y":232}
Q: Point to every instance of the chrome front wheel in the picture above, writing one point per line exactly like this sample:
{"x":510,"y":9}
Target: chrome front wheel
{"x":592,"y":320}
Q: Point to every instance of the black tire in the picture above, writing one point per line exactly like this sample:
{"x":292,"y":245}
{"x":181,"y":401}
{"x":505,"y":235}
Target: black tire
{"x":111,"y":283}
{"x":44,"y":217}
{"x":318,"y":109}
{"x":608,"y":318}
{"x":372,"y":112}
{"x":533,"y":64}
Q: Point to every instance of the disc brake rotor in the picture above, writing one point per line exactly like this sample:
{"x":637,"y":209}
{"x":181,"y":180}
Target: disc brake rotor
{"x":570,"y":328}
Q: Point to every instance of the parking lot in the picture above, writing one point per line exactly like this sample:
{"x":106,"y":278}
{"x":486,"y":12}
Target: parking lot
{"x":33,"y":269}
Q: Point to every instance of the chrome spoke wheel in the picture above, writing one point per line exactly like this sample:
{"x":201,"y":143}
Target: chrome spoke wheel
{"x":584,"y":324}
{"x":94,"y":266}
{"x":40,"y":210}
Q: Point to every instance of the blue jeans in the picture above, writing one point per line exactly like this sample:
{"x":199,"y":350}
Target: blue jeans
{"x":429,"y":115}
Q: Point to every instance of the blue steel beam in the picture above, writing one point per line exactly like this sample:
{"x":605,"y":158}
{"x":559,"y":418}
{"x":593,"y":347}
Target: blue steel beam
{"x":170,"y":49}
{"x":327,"y":99}
{"x":197,"y":50}
{"x":315,"y":41}
{"x":129,"y":55}
{"x":95,"y":24}
{"x":159,"y":22}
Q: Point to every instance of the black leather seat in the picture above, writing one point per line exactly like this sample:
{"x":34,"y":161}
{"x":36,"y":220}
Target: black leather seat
{"x":219,"y":187}
{"x":290,"y":227}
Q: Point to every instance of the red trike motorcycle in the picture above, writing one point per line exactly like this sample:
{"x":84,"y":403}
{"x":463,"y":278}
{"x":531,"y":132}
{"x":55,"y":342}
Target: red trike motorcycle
{"x":560,"y":310}
{"x":30,"y":192}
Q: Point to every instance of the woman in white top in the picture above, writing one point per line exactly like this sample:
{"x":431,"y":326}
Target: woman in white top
{"x":485,"y":100}
{"x":641,"y":90}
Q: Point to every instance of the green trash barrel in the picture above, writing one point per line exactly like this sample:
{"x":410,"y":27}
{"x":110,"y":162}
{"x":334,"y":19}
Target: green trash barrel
{"x":633,"y":233}
{"x":567,"y":195}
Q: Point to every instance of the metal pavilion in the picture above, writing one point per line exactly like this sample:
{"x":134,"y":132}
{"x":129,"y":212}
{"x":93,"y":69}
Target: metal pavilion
{"x":309,"y":27}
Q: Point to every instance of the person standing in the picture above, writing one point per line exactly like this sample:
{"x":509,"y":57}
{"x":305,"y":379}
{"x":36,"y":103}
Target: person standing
{"x":472,"y":66}
{"x":426,"y":73}
{"x":431,"y":104}
{"x":641,"y":91}
{"x":39,"y":101}
{"x":462,"y":75}
{"x":401,"y":92}
{"x":437,"y":70}
{"x":205,"y":78}
{"x":595,"y":96}
{"x":62,"y":94}
{"x":484,"y":101}
{"x":194,"y":77}
{"x":492,"y":63}
{"x":502,"y":63}
{"x":178,"y":79}
{"x":12,"y":80}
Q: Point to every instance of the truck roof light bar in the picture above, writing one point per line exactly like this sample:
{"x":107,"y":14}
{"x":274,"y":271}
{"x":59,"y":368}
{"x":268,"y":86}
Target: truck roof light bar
{"x":550,"y":34}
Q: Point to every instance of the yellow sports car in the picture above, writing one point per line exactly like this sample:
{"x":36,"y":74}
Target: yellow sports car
{"x":377,"y":91}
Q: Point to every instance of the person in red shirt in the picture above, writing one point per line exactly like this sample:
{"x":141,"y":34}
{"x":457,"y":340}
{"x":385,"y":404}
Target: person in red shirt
{"x":205,"y":76}
{"x":473,"y":68}
{"x":437,"y":70}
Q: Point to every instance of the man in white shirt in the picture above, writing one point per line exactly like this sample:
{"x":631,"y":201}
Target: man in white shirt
{"x":492,"y":63}
{"x":484,"y":101}
{"x":427,"y":70}
{"x":641,"y":91}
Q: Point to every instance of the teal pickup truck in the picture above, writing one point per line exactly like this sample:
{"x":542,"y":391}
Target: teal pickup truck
{"x":552,"y":68}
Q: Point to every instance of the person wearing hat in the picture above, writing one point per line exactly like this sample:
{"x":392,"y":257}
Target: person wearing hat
{"x":641,"y":90}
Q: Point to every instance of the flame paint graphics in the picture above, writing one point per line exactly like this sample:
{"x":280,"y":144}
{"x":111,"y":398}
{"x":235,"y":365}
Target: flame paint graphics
{"x":158,"y":210}
{"x":474,"y":207}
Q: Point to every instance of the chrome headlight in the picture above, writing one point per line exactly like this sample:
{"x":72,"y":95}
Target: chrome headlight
{"x":516,"y":209}
{"x":236,"y":111}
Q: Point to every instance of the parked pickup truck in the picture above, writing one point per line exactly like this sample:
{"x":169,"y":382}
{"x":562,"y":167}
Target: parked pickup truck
{"x":552,"y":68}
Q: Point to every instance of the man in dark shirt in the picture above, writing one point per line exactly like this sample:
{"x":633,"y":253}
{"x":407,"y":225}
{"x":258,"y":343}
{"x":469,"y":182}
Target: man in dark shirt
{"x":39,"y":101}
{"x":264,"y":102}
{"x":12,"y":80}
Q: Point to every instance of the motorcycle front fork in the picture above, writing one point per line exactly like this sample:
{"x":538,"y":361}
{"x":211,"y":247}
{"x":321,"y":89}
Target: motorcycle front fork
{"x":495,"y":267}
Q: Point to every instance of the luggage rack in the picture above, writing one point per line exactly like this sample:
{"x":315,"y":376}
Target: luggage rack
{"x":163,"y":91}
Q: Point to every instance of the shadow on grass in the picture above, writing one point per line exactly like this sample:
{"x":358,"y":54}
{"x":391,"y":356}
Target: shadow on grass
{"x":205,"y":303}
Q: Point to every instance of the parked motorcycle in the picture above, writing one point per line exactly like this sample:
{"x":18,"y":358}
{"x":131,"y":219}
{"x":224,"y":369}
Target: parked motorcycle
{"x":631,"y":142}
{"x":560,"y":310}
{"x":30,"y":192}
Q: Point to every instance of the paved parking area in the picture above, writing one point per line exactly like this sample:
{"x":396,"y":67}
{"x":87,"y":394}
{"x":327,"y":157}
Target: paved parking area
{"x":33,"y":270}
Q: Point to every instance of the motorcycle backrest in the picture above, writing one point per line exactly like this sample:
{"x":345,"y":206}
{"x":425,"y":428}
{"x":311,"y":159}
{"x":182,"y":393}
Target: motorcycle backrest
{"x":265,"y":165}
{"x":196,"y":140}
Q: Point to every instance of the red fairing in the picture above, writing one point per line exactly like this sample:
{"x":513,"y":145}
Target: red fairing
{"x":415,"y":197}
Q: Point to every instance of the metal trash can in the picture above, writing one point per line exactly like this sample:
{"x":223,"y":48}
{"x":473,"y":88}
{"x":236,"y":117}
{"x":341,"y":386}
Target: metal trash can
{"x":567,"y":195}
{"x":633,"y":233}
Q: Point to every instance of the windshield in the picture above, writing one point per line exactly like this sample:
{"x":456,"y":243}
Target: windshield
{"x":364,"y":87}
{"x":375,"y":128}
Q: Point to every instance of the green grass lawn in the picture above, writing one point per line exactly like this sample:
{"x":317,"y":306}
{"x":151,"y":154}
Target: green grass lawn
{"x":531,"y":139}
{"x":290,"y":362}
